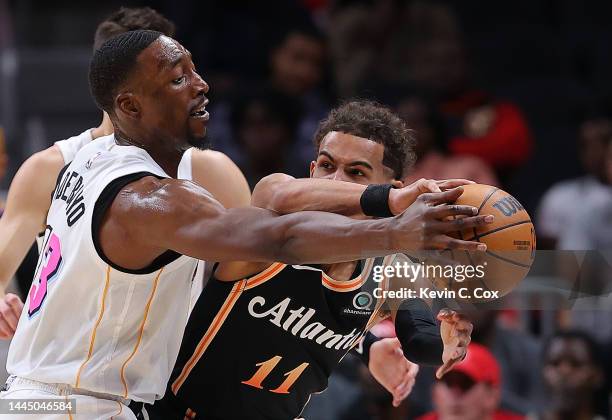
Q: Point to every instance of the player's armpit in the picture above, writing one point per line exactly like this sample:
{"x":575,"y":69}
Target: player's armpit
{"x":221,"y":177}
{"x":27,"y":204}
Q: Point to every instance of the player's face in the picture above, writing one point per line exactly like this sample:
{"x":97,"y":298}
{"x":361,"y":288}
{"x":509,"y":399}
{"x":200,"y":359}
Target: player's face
{"x":458,"y":397}
{"x":568,"y":371}
{"x":171,"y":94}
{"x":344,"y":157}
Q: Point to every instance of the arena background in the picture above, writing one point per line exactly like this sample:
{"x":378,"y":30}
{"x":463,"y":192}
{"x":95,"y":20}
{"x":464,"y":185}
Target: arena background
{"x":522,"y":88}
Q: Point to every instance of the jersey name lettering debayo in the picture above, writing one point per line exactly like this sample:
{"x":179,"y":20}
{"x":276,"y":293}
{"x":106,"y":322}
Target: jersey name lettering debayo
{"x":71,"y":192}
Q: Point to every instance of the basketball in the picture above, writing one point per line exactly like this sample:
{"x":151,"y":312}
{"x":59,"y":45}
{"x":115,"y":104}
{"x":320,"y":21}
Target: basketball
{"x":510,"y":241}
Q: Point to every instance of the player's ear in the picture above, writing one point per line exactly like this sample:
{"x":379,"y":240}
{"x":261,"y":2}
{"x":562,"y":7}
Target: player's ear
{"x":397,"y":183}
{"x":313,"y":164}
{"x":128,"y":105}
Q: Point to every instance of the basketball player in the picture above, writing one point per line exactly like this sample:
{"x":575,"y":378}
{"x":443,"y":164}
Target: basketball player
{"x":263,"y":337}
{"x":123,"y":234}
{"x":30,"y":194}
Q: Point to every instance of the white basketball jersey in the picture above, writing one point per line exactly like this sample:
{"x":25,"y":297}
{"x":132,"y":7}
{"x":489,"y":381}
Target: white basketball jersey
{"x":69,"y":147}
{"x":85,"y":323}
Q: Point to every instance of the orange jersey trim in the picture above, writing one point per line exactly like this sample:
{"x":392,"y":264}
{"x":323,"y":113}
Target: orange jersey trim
{"x":92,"y":339}
{"x":140,"y":332}
{"x":265,"y":275}
{"x":212,"y":331}
{"x":347,"y":285}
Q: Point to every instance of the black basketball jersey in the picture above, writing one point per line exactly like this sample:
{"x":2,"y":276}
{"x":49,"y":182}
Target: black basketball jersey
{"x":259,"y":347}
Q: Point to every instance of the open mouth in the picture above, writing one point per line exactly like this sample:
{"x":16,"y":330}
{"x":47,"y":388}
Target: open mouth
{"x":200,"y":113}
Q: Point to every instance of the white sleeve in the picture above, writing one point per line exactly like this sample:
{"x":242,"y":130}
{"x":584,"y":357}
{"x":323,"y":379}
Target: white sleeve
{"x":551,"y":213}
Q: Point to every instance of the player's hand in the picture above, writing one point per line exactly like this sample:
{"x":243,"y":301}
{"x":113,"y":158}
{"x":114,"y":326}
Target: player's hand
{"x":391,"y":369}
{"x":455,"y":331}
{"x":10,"y":311}
{"x":401,"y":198}
{"x":426,"y":224}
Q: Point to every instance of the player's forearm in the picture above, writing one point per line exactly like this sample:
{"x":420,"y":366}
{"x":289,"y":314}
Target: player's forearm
{"x":317,"y":237}
{"x":252,"y":234}
{"x":418,"y":333}
{"x":15,"y":242}
{"x":286,"y":195}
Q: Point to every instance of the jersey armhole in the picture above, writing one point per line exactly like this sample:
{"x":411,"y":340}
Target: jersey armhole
{"x":102,"y":204}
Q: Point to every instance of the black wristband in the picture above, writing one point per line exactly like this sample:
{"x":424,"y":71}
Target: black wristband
{"x":362,"y":351}
{"x":375,"y":200}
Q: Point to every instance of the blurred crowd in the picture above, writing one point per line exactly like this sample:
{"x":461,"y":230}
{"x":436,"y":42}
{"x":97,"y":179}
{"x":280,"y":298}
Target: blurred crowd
{"x":516,"y":95}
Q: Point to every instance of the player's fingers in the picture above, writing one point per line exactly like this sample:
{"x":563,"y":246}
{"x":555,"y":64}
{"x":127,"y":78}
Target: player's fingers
{"x":5,"y":330}
{"x":462,"y":223}
{"x":403,"y":393}
{"x":14,"y":302}
{"x":446,"y":210}
{"x":446,"y":242}
{"x":446,"y":184}
{"x":445,"y":314}
{"x":442,"y":370}
{"x":448,"y":196}
{"x":9,"y":316}
{"x":429,"y":185}
{"x":464,"y":327}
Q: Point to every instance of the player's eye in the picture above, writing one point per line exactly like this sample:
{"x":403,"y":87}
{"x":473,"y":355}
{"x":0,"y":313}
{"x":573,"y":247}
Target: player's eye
{"x":179,"y":80}
{"x":356,"y":172}
{"x":325,"y":165}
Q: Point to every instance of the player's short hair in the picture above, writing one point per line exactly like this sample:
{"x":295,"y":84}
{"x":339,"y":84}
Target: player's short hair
{"x":113,"y":63}
{"x":130,"y":19}
{"x":375,"y":122}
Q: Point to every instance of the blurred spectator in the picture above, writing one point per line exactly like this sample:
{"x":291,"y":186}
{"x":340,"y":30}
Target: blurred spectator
{"x":479,"y":124}
{"x":432,"y":160}
{"x":572,"y":374}
{"x":517,"y":354}
{"x":297,"y":69}
{"x":591,"y":227}
{"x":471,"y":390}
{"x":370,"y":40}
{"x":374,"y":402}
{"x":557,"y":210}
{"x":264,"y":125}
{"x":396,"y":42}
{"x":297,"y":62}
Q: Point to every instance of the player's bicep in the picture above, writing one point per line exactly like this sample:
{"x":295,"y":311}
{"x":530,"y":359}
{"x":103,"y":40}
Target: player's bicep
{"x":183,"y":217}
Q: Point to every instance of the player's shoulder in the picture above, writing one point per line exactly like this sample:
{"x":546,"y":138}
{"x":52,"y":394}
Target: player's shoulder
{"x":150,"y":191}
{"x":211,"y":159}
{"x":48,"y":162}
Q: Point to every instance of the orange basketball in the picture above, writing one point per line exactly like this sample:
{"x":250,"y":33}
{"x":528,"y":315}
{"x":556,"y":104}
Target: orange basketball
{"x":510,"y":241}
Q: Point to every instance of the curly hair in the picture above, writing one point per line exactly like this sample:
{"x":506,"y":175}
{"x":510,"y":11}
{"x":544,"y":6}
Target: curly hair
{"x":130,"y":19}
{"x":375,"y":122}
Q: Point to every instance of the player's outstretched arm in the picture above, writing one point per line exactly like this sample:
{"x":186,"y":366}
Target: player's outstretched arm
{"x":27,"y":204}
{"x":150,"y":216}
{"x":285,"y":194}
